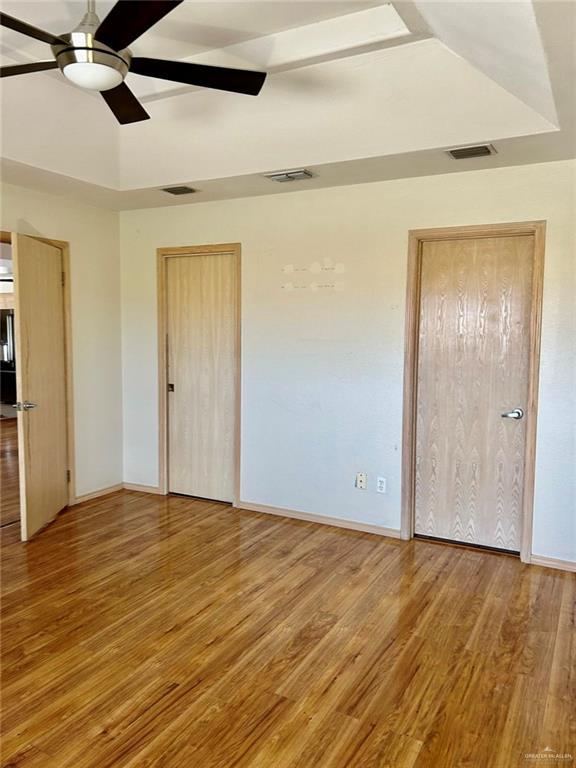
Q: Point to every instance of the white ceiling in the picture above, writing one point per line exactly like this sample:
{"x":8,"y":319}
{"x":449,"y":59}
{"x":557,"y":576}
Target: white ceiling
{"x":385,"y":102}
{"x":357,"y":91}
{"x":191,"y":28}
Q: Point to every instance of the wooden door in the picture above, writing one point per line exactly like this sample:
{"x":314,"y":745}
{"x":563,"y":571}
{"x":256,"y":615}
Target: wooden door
{"x":40,"y":382}
{"x":473,"y":366}
{"x":201,"y":297}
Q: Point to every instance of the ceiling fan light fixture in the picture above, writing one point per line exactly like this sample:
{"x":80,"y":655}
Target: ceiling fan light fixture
{"x":93,"y":68}
{"x":95,"y":56}
{"x":92,"y":75}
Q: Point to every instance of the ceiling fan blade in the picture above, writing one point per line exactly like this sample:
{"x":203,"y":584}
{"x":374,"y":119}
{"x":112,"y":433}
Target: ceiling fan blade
{"x":126,"y":107}
{"x":221,"y":78}
{"x":129,"y":19}
{"x":23,"y":69}
{"x":29,"y":30}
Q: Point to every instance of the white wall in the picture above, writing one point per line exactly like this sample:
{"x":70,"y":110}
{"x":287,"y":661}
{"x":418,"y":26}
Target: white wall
{"x":322,"y":371}
{"x":95,"y":298}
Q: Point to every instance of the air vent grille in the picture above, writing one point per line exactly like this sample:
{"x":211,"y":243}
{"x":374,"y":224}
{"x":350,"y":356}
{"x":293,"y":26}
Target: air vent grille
{"x":183,"y":190}
{"x":464,"y":153}
{"x":297,"y":175}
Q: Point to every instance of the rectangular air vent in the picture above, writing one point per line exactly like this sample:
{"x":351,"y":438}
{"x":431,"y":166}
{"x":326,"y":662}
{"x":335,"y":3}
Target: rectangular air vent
{"x":179,"y":190}
{"x":464,"y":153}
{"x":297,"y":175}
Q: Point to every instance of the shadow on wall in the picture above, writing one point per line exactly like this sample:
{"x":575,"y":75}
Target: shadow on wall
{"x":24,"y":227}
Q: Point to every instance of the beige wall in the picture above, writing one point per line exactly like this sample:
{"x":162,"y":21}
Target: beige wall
{"x":95,"y":298}
{"x":322,"y":370}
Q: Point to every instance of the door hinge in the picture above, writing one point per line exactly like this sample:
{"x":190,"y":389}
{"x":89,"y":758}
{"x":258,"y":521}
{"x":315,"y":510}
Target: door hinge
{"x":63,"y":279}
{"x":67,"y":475}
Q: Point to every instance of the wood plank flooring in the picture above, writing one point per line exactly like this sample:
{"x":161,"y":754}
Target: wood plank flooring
{"x":145,"y":631}
{"x":10,"y":491}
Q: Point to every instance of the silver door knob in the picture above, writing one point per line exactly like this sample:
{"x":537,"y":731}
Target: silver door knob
{"x":25,"y":406}
{"x":517,"y":413}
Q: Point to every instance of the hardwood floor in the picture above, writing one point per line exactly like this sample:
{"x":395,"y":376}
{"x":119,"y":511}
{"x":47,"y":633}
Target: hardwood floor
{"x":10,"y":492}
{"x":142,"y":630}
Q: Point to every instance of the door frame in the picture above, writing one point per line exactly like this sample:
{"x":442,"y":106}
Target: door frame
{"x":162,"y":255}
{"x":536,"y":229}
{"x":64,"y":247}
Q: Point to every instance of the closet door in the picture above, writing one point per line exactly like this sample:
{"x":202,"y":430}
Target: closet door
{"x":201,"y":298}
{"x":473,"y":369}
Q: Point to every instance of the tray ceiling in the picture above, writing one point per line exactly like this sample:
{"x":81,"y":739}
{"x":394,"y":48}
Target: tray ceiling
{"x":350,"y":83}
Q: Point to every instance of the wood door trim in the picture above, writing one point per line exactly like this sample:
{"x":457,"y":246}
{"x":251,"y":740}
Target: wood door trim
{"x":64,"y":247}
{"x":536,"y":229}
{"x":162,"y":254}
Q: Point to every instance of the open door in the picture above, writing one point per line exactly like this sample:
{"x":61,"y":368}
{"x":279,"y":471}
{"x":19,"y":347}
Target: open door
{"x":40,"y":381}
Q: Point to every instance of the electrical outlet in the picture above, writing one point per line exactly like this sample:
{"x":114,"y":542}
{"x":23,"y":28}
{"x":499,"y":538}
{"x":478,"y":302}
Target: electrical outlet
{"x":361,"y":480}
{"x":381,"y":484}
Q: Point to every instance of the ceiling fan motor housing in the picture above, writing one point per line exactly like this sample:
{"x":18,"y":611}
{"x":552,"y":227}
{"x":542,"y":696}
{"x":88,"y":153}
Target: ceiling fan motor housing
{"x":87,"y":62}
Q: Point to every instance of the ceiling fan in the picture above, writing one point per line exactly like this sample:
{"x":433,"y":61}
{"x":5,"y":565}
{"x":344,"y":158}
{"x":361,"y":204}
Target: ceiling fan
{"x":96,"y":56}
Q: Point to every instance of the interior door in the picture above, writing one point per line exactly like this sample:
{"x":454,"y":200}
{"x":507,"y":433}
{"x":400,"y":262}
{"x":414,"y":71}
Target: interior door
{"x":40,"y":381}
{"x":473,"y":369}
{"x":201,"y":296}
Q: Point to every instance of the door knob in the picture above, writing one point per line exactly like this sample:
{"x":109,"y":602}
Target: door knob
{"x":25,"y":406}
{"x":517,"y":413}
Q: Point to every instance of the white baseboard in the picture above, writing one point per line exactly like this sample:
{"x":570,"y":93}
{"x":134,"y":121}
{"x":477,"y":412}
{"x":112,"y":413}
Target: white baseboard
{"x":114,"y":489}
{"x":97,"y":494}
{"x":553,"y":562}
{"x":338,"y":522}
{"x":143,"y":488}
{"x":379,"y":530}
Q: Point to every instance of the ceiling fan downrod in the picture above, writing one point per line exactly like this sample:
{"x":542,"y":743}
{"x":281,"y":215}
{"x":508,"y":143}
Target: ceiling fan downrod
{"x":90,"y":18}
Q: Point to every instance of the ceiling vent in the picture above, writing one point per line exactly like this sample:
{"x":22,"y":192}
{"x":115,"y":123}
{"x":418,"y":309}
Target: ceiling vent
{"x":297,"y":175}
{"x":179,"y":190}
{"x":465,"y":153}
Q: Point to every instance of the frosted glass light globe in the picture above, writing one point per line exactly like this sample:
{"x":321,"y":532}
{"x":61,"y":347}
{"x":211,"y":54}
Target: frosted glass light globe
{"x":91,"y":75}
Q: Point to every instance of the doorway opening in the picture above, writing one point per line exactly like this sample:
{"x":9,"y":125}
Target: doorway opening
{"x":199,"y":371}
{"x":10,"y":497}
{"x":36,"y":428}
{"x":472,"y":345}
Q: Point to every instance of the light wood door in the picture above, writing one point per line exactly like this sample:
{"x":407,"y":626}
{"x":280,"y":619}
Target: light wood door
{"x":201,"y":297}
{"x":473,"y":366}
{"x":41,"y":381}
